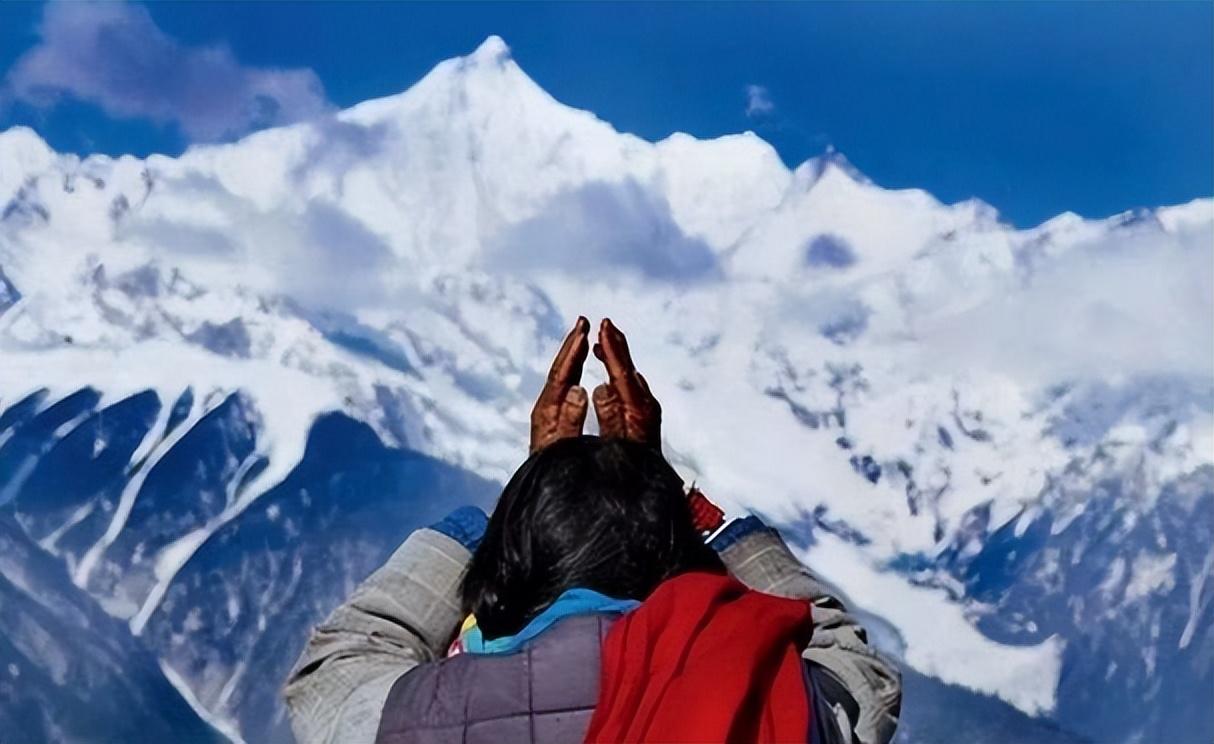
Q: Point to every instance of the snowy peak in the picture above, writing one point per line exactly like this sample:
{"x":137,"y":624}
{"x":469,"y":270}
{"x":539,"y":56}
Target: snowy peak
{"x":812,"y":170}
{"x":22,"y":152}
{"x":487,"y":80}
{"x":22,"y":149}
{"x":493,"y":51}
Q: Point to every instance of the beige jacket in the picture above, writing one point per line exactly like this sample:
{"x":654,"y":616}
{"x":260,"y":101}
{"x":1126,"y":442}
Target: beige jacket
{"x":407,"y":612}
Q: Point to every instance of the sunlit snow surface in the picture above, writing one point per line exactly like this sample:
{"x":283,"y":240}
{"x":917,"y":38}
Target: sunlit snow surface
{"x":902,"y":385}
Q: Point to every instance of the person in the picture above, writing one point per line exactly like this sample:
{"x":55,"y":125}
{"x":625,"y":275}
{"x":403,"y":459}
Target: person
{"x":589,"y":607}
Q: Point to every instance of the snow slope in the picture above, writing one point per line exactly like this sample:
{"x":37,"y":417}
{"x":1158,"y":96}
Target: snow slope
{"x":903,"y":385}
{"x":68,"y":672}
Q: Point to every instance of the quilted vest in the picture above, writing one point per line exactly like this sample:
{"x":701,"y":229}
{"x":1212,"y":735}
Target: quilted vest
{"x":543,"y":694}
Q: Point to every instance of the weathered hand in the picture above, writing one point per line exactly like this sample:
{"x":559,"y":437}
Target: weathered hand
{"x":623,"y":404}
{"x":560,"y":411}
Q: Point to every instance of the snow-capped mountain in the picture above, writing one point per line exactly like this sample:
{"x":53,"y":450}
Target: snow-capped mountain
{"x":231,"y":382}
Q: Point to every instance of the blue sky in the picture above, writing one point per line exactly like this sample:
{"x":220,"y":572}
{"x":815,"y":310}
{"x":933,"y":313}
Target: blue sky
{"x":1035,"y":108}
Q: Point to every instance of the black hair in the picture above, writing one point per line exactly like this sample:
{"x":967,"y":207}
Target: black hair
{"x":603,"y":514}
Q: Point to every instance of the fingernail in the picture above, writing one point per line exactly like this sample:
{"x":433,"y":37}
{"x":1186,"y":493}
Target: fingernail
{"x":582,"y":324}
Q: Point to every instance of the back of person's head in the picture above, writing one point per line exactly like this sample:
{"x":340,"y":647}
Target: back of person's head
{"x":602,"y":514}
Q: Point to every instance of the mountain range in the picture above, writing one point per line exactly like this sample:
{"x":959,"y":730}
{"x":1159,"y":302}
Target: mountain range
{"x":231,"y":382}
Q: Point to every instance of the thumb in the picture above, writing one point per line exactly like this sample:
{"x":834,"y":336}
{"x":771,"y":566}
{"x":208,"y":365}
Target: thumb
{"x":573,"y":412}
{"x":609,"y":410}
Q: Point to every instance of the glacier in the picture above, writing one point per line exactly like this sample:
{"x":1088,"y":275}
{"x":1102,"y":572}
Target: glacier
{"x":232,"y":381}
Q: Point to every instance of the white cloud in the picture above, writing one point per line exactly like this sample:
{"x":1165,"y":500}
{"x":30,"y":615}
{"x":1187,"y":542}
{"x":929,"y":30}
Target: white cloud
{"x":758,"y":101}
{"x":1118,"y":307}
{"x":314,"y":252}
{"x":114,"y":56}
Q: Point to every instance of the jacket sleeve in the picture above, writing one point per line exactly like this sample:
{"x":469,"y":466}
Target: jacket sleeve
{"x":854,"y":687}
{"x":402,"y":615}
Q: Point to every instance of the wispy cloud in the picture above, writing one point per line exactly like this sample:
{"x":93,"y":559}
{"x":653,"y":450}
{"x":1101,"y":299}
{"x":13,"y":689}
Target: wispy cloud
{"x":601,"y":228}
{"x":1131,"y":303}
{"x":114,"y":56}
{"x":758,"y":101}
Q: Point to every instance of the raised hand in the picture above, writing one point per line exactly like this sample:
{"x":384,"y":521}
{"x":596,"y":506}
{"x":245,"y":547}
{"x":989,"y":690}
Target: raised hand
{"x":560,"y":411}
{"x":623,"y":404}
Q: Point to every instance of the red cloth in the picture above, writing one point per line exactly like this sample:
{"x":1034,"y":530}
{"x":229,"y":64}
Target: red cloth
{"x":705,"y":659}
{"x":705,"y":515}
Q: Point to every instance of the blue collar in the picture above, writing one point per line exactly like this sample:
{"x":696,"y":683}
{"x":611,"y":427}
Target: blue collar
{"x":572,"y":602}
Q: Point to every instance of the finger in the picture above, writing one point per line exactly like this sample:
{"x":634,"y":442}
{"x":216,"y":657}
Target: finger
{"x":572,"y":415}
{"x":567,"y":366}
{"x":616,"y":356}
{"x":633,"y":394}
{"x":609,"y":411}
{"x":559,"y":420}
{"x":620,"y":369}
{"x":603,"y":395}
{"x":643,"y":384}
